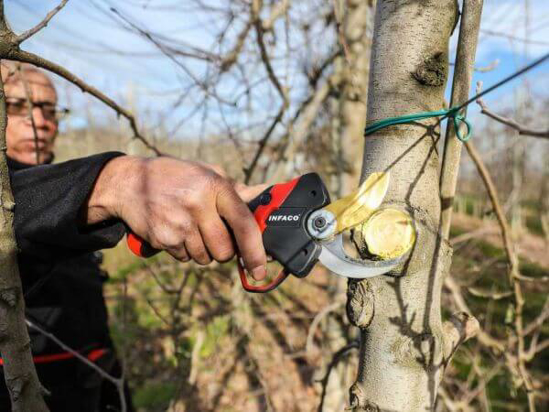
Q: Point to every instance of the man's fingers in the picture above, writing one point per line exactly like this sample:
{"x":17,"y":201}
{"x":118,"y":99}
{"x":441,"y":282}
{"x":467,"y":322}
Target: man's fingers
{"x":248,"y":193}
{"x":245,"y":230}
{"x":196,"y":248}
{"x":216,"y":237}
{"x":179,"y":253}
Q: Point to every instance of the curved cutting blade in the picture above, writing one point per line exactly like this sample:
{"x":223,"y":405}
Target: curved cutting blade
{"x":333,"y":256}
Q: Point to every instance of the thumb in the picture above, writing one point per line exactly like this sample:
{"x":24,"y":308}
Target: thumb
{"x":247,"y":193}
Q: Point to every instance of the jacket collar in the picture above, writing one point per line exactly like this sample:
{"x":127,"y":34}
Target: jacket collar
{"x":15,"y":165}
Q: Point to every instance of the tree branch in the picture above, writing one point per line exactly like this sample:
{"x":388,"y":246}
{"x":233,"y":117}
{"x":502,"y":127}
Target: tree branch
{"x":27,"y":57}
{"x":118,"y":382}
{"x":514,"y":271}
{"x":335,"y":360}
{"x":318,"y":318}
{"x":278,"y":9}
{"x":463,"y":74}
{"x":29,"y":33}
{"x":522,"y":130}
{"x":459,"y":328}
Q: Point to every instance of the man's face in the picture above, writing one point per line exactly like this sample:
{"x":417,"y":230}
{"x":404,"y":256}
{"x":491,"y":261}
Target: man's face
{"x":20,"y":135}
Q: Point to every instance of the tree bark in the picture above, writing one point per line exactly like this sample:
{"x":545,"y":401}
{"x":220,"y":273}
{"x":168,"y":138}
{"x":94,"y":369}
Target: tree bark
{"x":19,"y":372}
{"x":347,"y":145}
{"x":404,"y":344}
{"x":18,"y":367}
{"x":463,"y":75}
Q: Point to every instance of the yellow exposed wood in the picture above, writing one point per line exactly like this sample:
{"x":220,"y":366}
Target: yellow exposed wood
{"x":389,"y":233}
{"x":359,"y":205}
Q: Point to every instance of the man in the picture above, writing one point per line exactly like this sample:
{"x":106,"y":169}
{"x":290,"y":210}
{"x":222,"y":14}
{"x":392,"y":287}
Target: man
{"x":68,"y":210}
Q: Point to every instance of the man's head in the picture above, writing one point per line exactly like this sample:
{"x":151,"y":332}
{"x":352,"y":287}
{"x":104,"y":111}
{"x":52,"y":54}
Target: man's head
{"x":20,"y":134}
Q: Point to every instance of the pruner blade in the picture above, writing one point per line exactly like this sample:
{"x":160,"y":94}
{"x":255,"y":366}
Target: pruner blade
{"x":358,"y":206}
{"x":333,"y":256}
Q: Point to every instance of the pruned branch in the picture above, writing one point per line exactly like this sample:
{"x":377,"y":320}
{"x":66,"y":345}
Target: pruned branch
{"x":31,"y":32}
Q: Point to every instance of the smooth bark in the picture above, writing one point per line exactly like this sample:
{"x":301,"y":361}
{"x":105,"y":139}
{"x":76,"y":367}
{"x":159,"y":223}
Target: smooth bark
{"x":463,"y":75}
{"x":404,"y":344}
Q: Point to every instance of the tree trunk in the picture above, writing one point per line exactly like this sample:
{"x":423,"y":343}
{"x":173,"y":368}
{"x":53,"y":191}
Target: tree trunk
{"x":404,"y":344}
{"x":347,"y":138}
{"x":19,"y":372}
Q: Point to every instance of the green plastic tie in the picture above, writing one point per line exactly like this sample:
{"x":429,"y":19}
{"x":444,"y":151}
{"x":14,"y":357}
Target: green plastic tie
{"x":409,"y":118}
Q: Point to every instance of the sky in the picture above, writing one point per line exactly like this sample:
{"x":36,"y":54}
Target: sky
{"x":85,"y":32}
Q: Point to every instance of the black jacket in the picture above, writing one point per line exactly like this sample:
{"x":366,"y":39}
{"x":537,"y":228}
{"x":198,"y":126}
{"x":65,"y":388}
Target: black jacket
{"x":61,"y":277}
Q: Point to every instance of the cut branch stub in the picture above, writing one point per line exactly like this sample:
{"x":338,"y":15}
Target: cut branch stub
{"x":389,"y":233}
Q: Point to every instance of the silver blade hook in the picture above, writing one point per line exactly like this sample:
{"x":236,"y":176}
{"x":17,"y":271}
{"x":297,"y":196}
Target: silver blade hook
{"x":333,"y":256}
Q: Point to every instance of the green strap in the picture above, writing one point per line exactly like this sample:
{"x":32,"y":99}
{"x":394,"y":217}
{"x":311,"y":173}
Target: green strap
{"x":409,"y":118}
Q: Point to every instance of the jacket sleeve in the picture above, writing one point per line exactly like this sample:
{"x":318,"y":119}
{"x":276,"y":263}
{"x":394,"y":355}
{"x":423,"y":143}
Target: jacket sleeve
{"x":48,"y":201}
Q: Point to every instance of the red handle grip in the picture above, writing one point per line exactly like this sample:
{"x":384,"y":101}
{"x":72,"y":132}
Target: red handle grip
{"x":140,"y":247}
{"x":260,"y":288}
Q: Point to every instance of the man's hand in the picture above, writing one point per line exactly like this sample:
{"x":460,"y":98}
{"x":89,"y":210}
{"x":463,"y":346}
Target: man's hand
{"x":189,"y":209}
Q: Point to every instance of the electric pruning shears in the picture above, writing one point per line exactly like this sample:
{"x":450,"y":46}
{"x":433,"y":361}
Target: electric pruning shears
{"x":300,"y":226}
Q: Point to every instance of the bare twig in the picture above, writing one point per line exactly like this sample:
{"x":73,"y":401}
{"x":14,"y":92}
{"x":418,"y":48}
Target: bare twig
{"x":318,"y":318}
{"x":538,"y":322}
{"x":532,"y":280}
{"x":488,"y":68}
{"x":298,"y":133}
{"x":248,"y":171}
{"x":471,"y":235}
{"x":29,"y":33}
{"x":514,"y":38}
{"x":230,"y":58}
{"x":277,"y":11}
{"x":514,"y":271}
{"x":256,"y":6}
{"x":335,"y":360}
{"x":118,"y":382}
{"x":489,"y":294}
{"x":522,"y":130}
{"x":195,"y":356}
{"x":341,"y":33}
{"x":482,"y":336}
{"x":26,"y":57}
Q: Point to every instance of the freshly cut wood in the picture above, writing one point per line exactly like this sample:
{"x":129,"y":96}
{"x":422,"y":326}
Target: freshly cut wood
{"x":389,"y":233}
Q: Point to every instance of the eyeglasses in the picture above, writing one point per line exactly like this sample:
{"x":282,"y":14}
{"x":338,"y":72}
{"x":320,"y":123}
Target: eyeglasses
{"x":20,"y":107}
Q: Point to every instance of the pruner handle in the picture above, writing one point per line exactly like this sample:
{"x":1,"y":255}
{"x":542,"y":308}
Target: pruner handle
{"x":140,"y":247}
{"x":281,"y":277}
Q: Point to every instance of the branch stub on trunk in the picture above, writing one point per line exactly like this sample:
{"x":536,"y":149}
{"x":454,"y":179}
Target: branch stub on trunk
{"x":389,"y":233}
